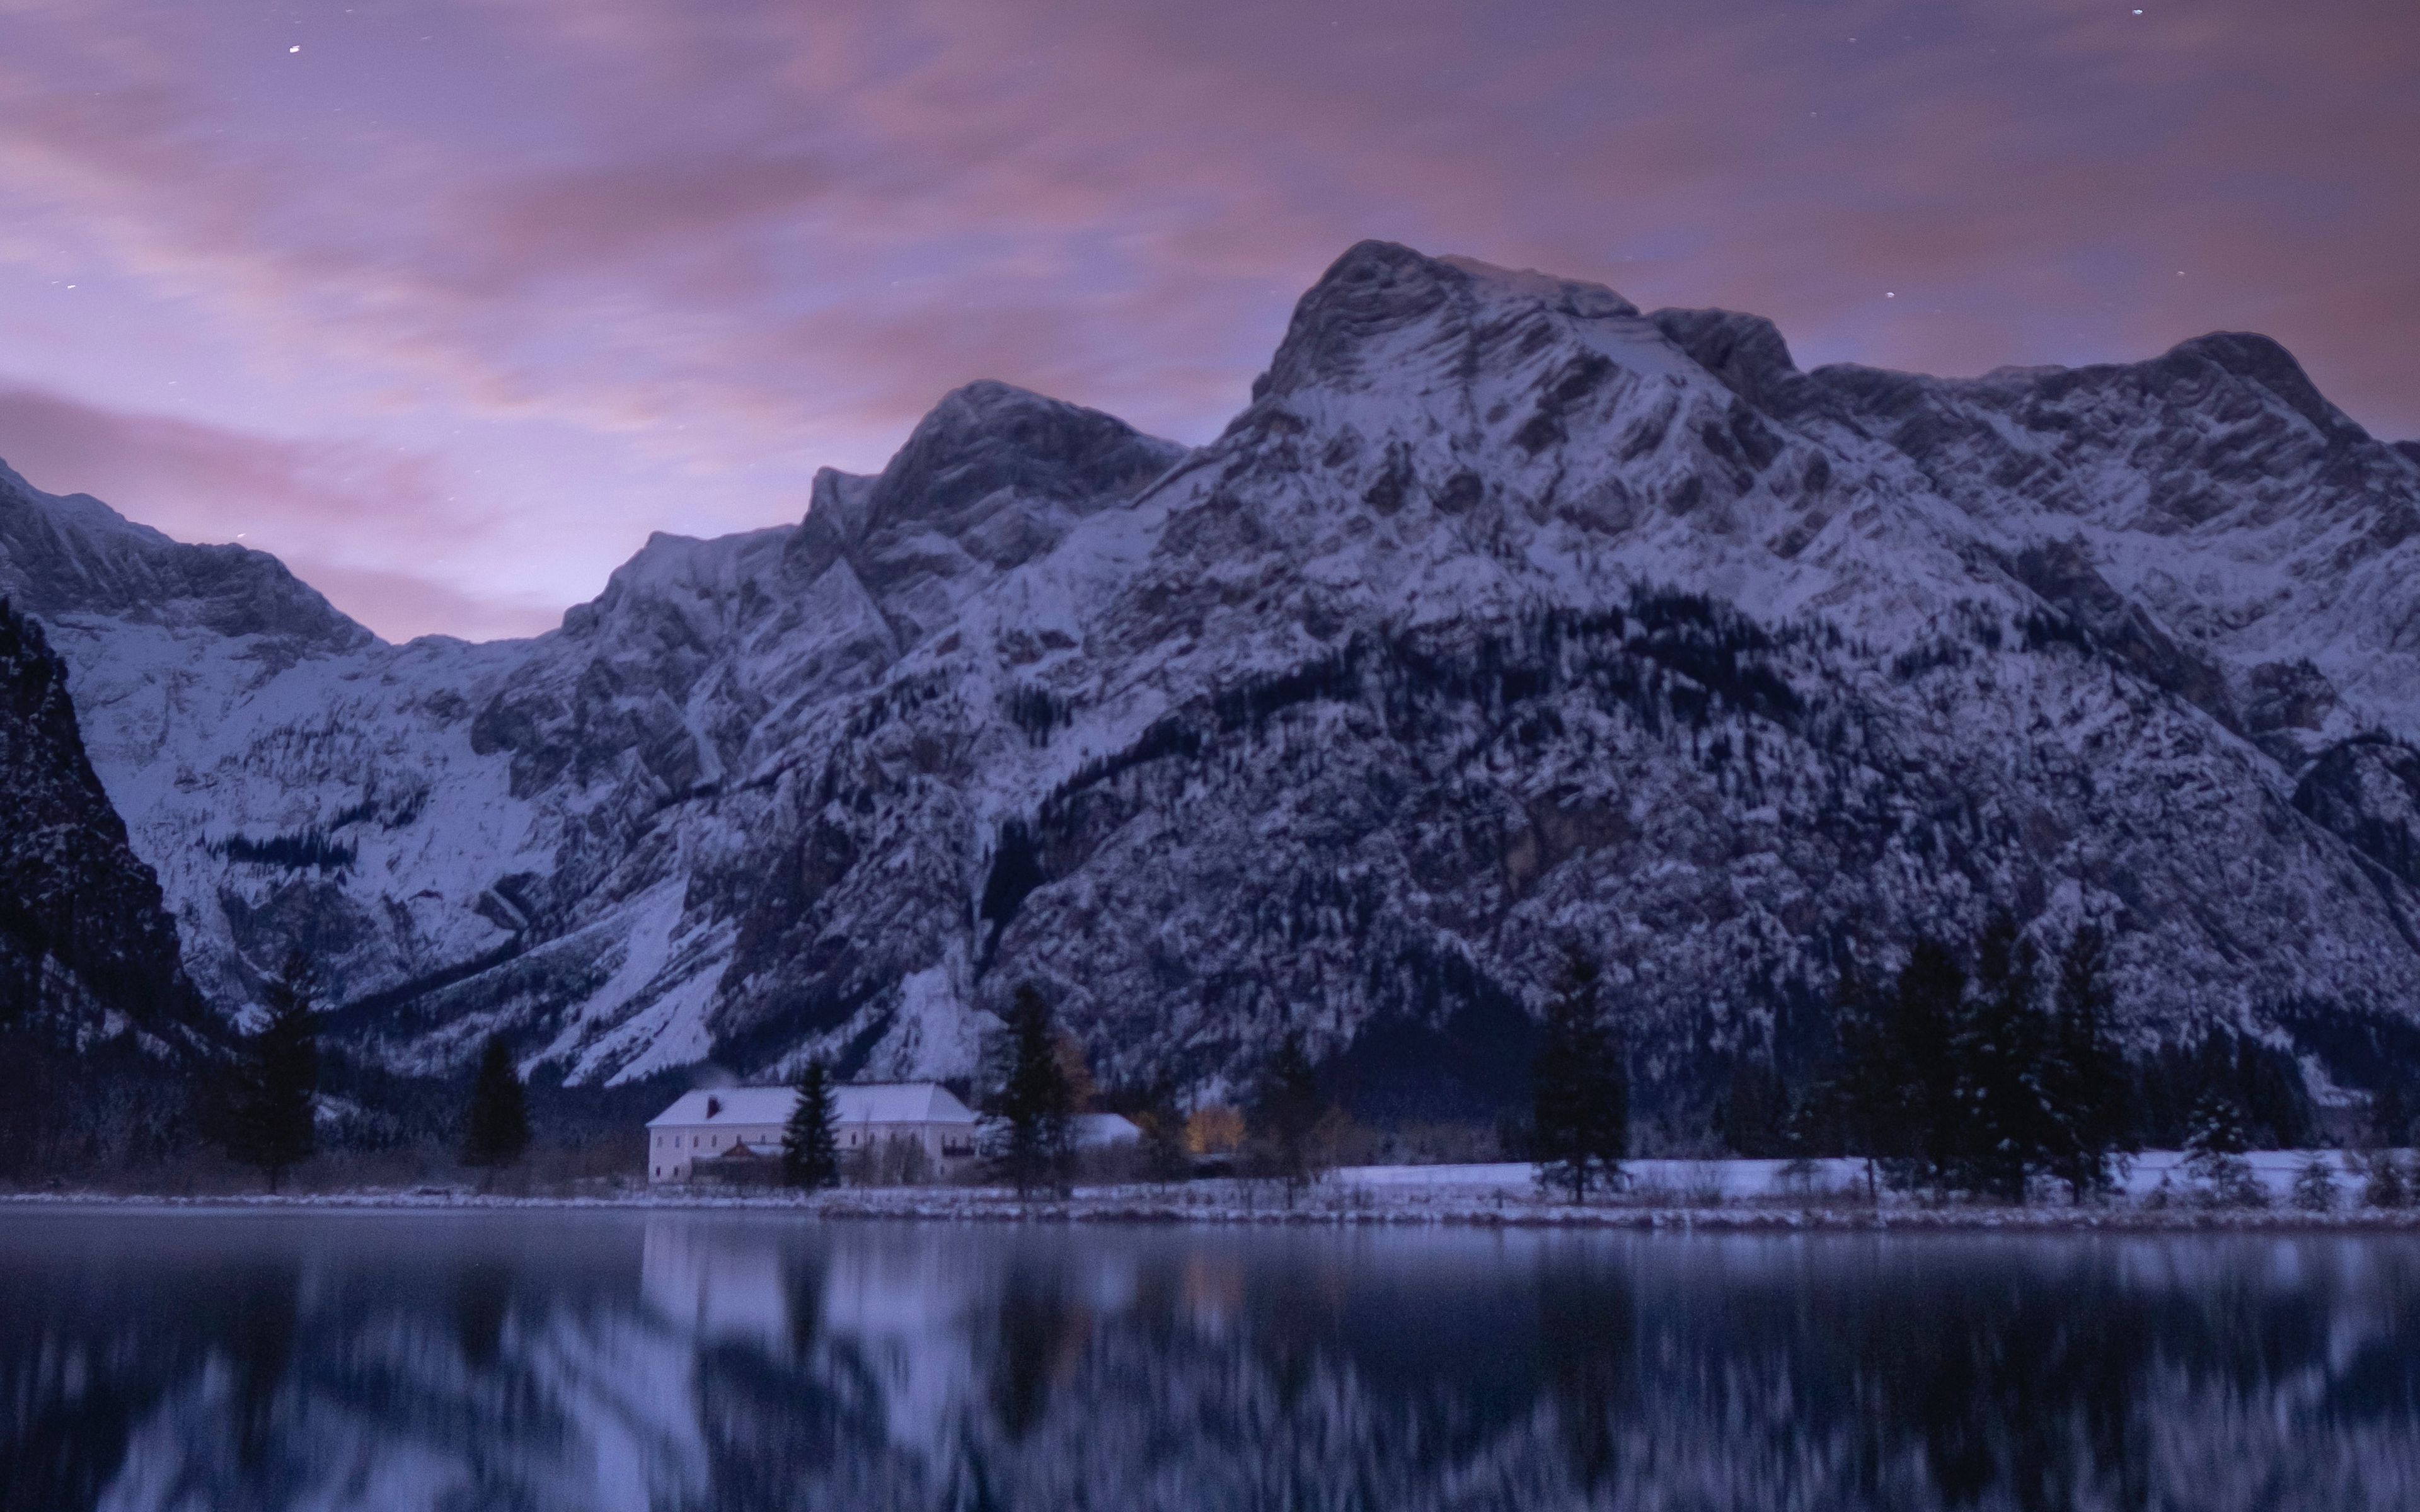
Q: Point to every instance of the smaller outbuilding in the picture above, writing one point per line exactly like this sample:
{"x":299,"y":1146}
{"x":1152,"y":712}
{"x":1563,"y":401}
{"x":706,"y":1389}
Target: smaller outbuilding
{"x":740,"y":1128}
{"x":1105,"y":1131}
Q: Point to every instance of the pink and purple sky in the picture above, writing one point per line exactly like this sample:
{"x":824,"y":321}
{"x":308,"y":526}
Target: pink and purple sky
{"x":449,"y":303}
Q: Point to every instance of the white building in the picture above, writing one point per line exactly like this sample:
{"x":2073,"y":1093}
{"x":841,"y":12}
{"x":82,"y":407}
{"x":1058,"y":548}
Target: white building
{"x":713,"y":1123}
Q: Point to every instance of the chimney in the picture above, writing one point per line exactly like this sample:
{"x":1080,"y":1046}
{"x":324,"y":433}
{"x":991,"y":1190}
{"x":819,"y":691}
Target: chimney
{"x":713,"y":1106}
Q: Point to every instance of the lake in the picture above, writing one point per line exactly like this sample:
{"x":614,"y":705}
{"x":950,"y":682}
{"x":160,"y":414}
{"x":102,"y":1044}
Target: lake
{"x":593,"y":1360}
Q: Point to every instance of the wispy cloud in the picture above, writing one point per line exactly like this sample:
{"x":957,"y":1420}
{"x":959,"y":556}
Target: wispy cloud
{"x":695,"y":248}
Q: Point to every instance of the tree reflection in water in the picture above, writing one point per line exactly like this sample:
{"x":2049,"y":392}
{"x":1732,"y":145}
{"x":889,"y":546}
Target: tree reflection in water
{"x":596,"y":1361}
{"x":1589,"y":1359}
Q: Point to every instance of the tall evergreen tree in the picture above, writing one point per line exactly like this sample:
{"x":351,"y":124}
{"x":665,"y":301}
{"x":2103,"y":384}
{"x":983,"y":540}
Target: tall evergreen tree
{"x":1609,"y":1131}
{"x":495,"y":1126}
{"x":2003,"y":1122}
{"x":1899,"y":1091}
{"x":1285,"y":1115}
{"x":2089,"y":1077}
{"x":1162,"y":1117}
{"x":2387,"y":1186}
{"x":1925,"y":1009}
{"x":268,"y":1116}
{"x":810,"y":1139}
{"x":2389,"y":1112}
{"x":1756,"y":1117}
{"x":2276,"y":1107}
{"x":1034,"y":1105}
{"x":1858,"y":1096}
{"x":1580,"y":1088}
{"x":2215,"y":1150}
{"x":2217,"y":1127}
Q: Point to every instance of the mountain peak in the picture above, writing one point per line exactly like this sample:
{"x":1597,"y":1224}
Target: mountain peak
{"x":988,"y":436}
{"x":1746,"y":351}
{"x":1576,"y":296}
{"x":1379,"y":287}
{"x":2264,"y":361}
{"x":994,"y":476}
{"x":75,"y":554}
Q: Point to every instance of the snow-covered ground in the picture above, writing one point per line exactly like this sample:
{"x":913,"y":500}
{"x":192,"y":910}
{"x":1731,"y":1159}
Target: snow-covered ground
{"x":1660,"y":1193}
{"x":1700,"y":1182}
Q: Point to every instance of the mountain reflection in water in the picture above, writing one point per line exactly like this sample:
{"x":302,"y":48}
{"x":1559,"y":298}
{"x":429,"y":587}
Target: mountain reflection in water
{"x":593,"y":1361}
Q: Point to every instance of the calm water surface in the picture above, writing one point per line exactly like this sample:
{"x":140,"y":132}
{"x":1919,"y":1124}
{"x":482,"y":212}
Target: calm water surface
{"x":592,"y":1361}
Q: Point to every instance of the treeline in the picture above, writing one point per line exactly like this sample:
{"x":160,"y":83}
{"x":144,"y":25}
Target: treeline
{"x":262,"y":1107}
{"x":1979,"y":1075}
{"x":1035,"y":1083}
{"x":271,"y":1101}
{"x":1984,"y":1067}
{"x":67,"y":1113}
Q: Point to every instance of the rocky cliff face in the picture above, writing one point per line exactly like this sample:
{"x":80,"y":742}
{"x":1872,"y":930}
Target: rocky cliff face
{"x":1505,"y":616}
{"x":88,"y":954}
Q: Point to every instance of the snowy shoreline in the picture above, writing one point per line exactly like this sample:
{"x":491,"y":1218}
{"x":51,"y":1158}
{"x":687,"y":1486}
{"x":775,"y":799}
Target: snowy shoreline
{"x":1731,"y":1196}
{"x":1312,"y":1211}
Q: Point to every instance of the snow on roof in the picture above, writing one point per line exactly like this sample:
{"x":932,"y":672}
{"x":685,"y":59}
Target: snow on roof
{"x":854,"y":1101}
{"x":899,"y":1103}
{"x":1093,"y":1130}
{"x":728,"y":1104}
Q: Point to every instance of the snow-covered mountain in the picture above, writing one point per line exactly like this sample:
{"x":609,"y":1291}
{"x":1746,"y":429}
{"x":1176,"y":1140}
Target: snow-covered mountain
{"x":1506,"y":616}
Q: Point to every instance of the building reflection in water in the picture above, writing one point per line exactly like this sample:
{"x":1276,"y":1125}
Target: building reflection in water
{"x":611,"y":1361}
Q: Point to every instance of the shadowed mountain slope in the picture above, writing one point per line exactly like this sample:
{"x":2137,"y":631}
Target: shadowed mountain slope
{"x":1505,"y":616}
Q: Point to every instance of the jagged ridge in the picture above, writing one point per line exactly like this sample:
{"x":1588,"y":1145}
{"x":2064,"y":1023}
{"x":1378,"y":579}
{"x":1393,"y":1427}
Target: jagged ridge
{"x":1505,"y":615}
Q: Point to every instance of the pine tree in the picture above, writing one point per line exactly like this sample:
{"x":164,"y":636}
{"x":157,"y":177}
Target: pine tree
{"x":810,"y":1139}
{"x":1899,"y":1091}
{"x":2217,"y":1126}
{"x":2315,"y":1186}
{"x":1608,"y":1128}
{"x":1165,"y":1157}
{"x":1925,"y":1009}
{"x":2215,"y":1163}
{"x":495,"y":1128}
{"x":1285,"y":1117}
{"x":2089,"y":1078}
{"x":1580,"y":1091}
{"x":2001,"y":1052}
{"x":1858,"y":1096}
{"x":2390,"y":1114}
{"x":2387,"y":1186}
{"x":1756,"y":1114}
{"x":1034,"y":1107}
{"x":2270,"y":1092}
{"x":269,"y":1111}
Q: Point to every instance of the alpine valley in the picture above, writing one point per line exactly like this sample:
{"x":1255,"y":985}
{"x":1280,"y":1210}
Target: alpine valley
{"x":1504,"y":618}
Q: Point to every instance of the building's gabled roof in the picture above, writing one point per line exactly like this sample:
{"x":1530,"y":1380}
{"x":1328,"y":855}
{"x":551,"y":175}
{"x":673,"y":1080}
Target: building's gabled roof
{"x":899,"y":1103}
{"x":718,"y":1106}
{"x":1093,"y":1130}
{"x":868,"y":1102}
